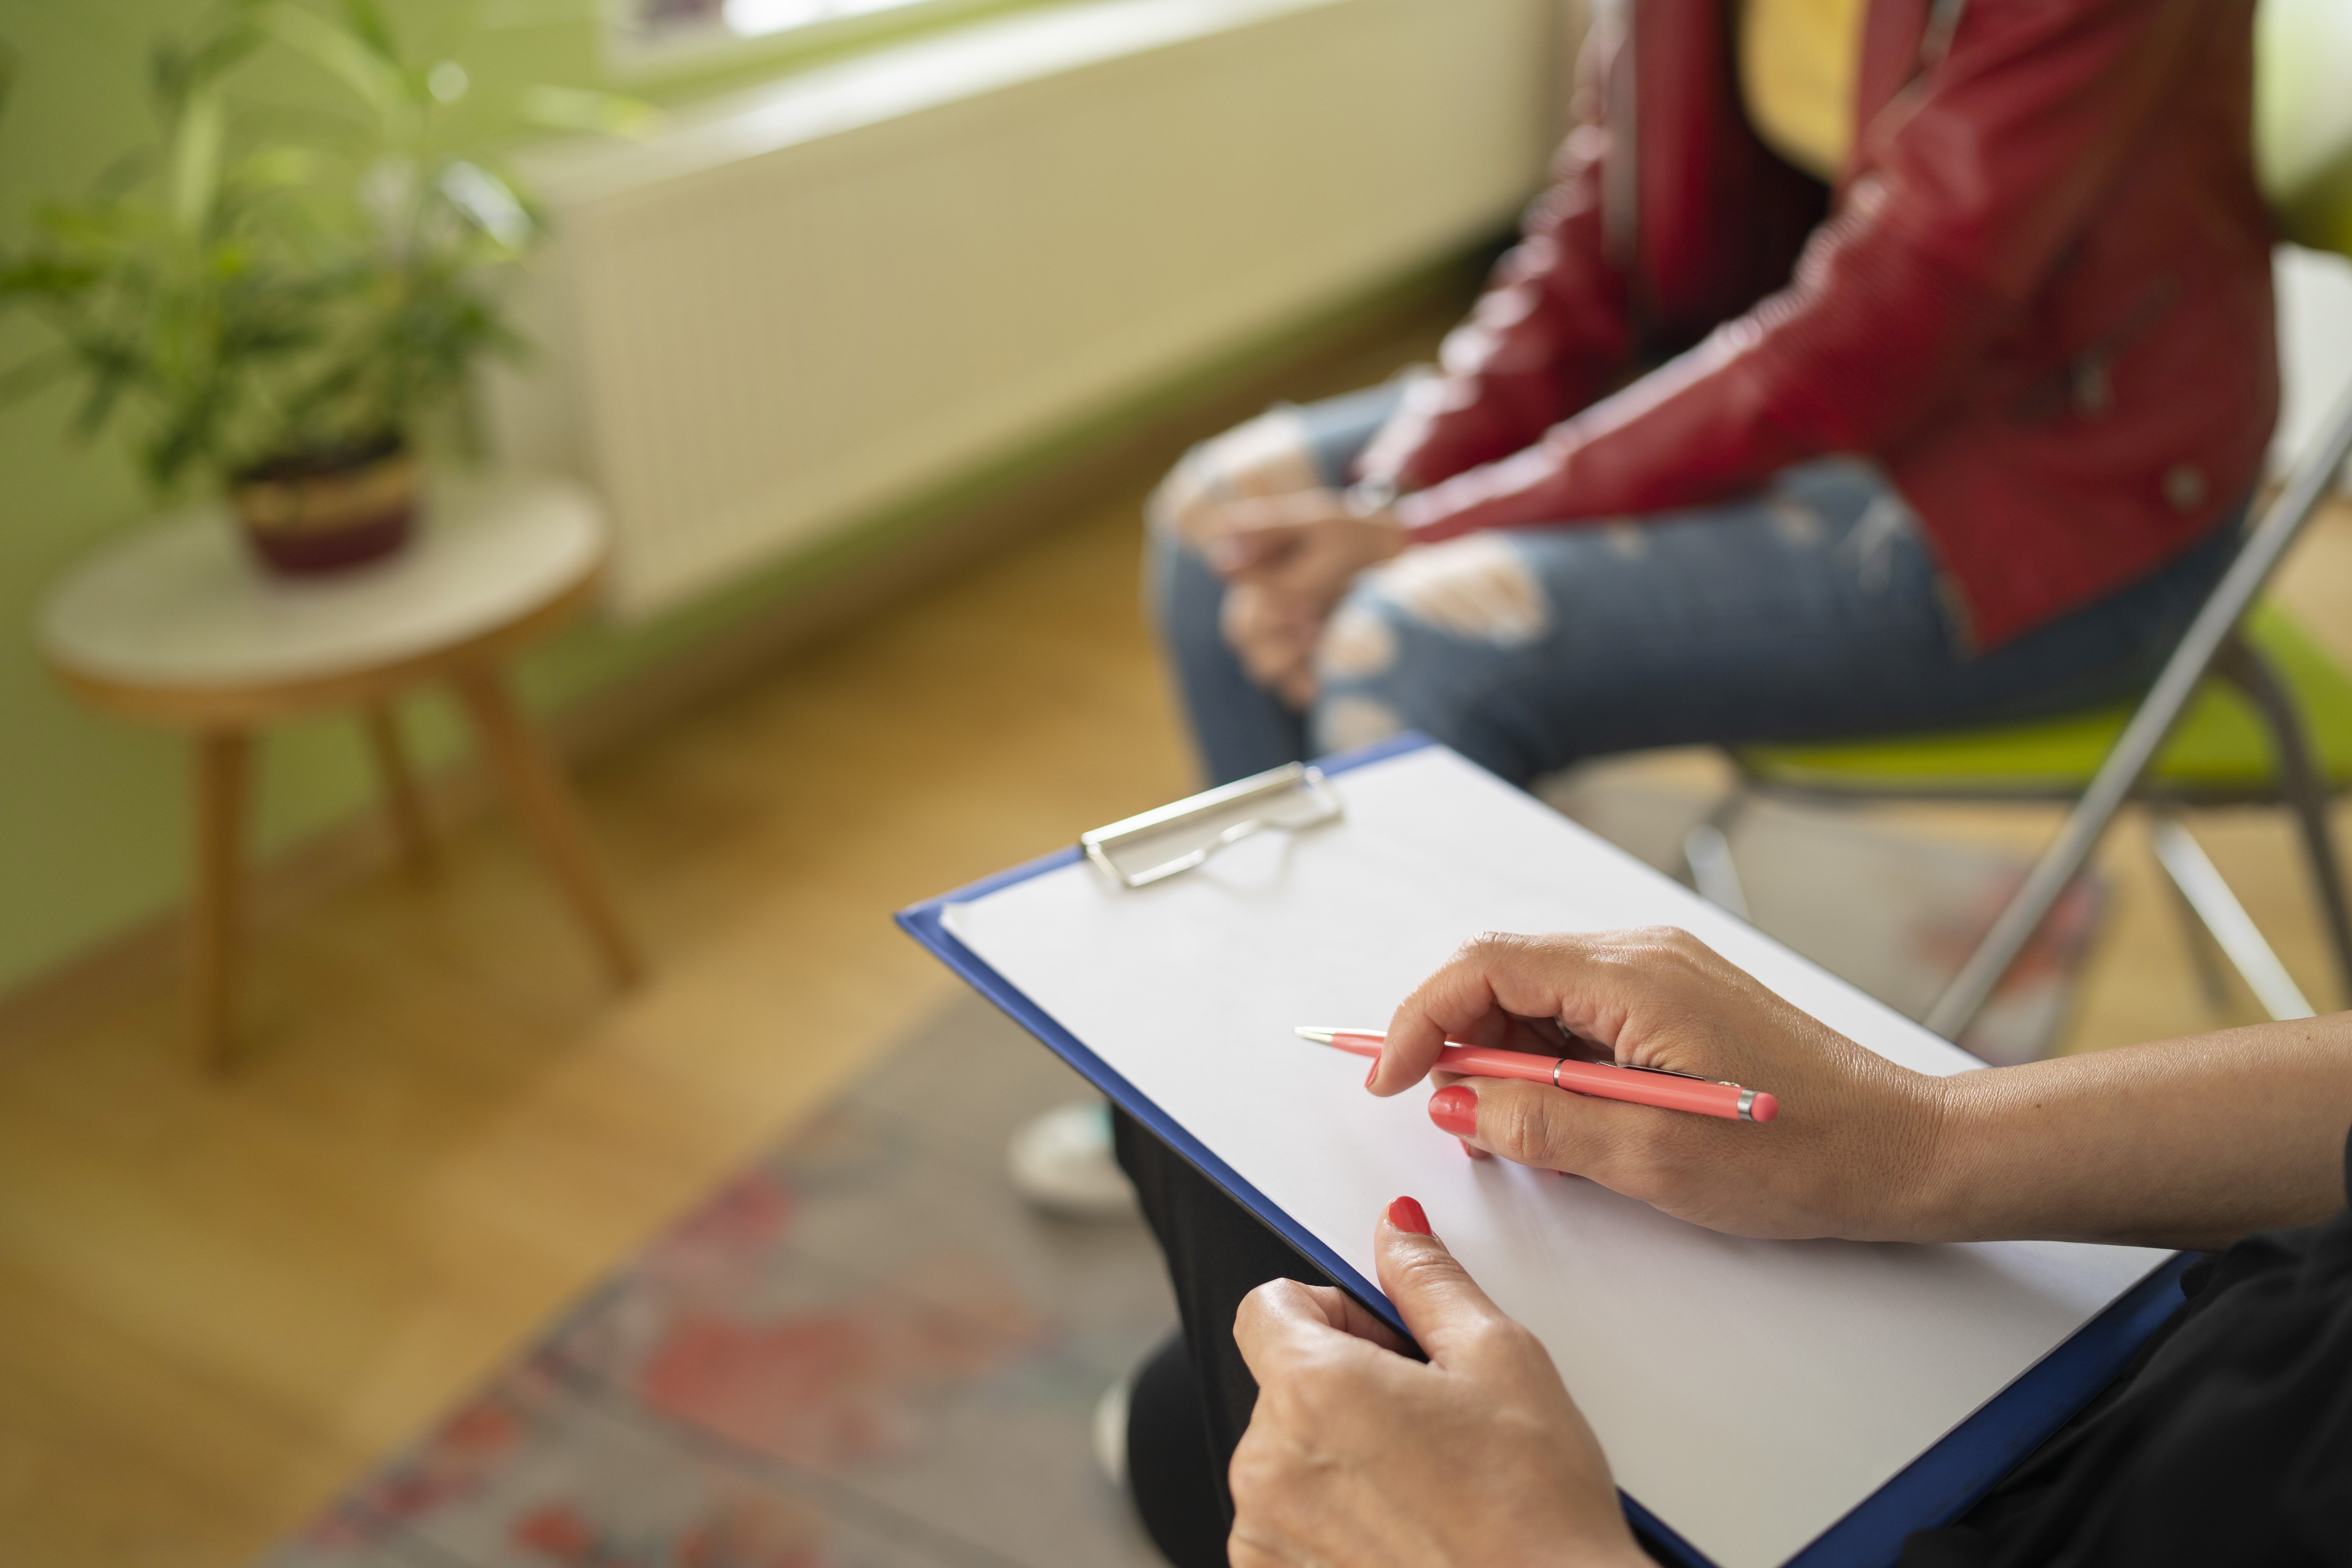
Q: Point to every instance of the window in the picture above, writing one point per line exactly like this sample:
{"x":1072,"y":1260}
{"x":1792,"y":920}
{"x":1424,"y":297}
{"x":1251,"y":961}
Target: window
{"x":652,"y":30}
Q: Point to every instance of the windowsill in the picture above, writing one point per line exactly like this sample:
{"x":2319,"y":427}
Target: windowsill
{"x":875,"y":85}
{"x":650,"y":61}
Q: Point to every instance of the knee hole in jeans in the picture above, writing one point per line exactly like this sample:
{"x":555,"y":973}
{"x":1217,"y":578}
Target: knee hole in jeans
{"x":1359,"y":644}
{"x":1479,"y":587}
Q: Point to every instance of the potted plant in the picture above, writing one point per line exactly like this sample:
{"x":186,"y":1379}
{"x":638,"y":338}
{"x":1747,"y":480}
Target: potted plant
{"x":279,"y":303}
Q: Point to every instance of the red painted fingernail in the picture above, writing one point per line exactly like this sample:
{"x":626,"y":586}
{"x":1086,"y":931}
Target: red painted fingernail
{"x":1406,"y":1216}
{"x":1455,"y":1108}
{"x":1373,"y":1072}
{"x":1472,"y":1150}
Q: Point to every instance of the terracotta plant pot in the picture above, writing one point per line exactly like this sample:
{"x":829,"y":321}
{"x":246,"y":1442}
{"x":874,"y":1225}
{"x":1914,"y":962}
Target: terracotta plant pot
{"x":323,"y":512}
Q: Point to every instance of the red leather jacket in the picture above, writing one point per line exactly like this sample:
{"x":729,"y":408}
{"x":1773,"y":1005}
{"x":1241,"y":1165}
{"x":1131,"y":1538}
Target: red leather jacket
{"x":2039,"y":300}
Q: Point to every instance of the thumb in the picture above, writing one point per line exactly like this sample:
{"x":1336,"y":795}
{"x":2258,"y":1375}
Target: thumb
{"x":1434,"y":1294}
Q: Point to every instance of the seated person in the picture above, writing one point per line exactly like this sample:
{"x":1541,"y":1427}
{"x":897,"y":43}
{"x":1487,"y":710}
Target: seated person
{"x":2227,"y":1440}
{"x":1968,"y":366}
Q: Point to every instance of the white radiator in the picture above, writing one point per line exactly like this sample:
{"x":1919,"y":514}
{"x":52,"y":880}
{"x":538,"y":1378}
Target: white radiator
{"x":797,"y":308}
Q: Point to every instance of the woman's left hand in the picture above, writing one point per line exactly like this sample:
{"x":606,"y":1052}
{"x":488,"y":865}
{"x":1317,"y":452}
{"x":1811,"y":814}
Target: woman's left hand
{"x":1358,"y":1455}
{"x":1287,"y":561}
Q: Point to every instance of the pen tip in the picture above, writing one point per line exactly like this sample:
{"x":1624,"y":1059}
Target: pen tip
{"x":1320,"y":1036}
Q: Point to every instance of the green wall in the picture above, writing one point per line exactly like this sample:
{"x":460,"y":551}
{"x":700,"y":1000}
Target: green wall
{"x":94,"y":810}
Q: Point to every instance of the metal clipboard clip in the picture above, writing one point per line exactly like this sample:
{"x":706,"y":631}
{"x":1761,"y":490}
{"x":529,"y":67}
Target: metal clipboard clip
{"x":1143,"y":849}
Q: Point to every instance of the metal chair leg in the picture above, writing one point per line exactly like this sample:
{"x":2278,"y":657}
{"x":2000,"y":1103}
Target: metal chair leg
{"x":2199,"y":881}
{"x":1706,"y":854}
{"x":2205,"y":955}
{"x":2312,"y":477}
{"x":2303,"y":786}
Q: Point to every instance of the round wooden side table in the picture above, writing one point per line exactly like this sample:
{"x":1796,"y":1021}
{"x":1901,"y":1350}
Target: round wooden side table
{"x":176,"y":625}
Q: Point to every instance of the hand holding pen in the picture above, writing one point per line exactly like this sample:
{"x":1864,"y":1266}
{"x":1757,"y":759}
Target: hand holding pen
{"x":1847,"y":1153}
{"x":1664,"y":1088}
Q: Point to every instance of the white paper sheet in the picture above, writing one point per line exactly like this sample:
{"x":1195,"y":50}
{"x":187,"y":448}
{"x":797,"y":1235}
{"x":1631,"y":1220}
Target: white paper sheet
{"x":1748,"y":1393}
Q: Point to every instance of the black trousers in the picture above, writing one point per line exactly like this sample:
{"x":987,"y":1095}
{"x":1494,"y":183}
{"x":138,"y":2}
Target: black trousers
{"x":1217,"y":1252}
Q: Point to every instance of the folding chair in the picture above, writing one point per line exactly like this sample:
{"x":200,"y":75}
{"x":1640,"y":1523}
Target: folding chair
{"x":2247,"y":708}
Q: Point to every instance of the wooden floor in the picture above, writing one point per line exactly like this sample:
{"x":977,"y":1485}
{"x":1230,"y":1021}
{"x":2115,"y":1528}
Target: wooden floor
{"x":219,"y":1301}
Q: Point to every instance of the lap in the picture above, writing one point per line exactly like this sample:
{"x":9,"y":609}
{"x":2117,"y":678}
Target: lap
{"x":1813,"y":610}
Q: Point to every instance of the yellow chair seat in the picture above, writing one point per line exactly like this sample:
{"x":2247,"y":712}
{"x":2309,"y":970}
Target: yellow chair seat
{"x":2220,"y":749}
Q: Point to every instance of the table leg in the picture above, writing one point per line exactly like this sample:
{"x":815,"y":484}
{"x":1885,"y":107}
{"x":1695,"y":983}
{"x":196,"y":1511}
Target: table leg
{"x":544,"y":807}
{"x":401,"y":799}
{"x":223,"y":759}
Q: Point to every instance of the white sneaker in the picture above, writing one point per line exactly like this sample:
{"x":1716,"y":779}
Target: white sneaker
{"x":1111,"y":1431}
{"x":1062,"y":1162}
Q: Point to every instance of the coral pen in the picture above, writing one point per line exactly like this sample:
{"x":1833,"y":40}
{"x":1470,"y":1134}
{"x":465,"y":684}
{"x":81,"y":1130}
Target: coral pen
{"x":1661,"y":1086}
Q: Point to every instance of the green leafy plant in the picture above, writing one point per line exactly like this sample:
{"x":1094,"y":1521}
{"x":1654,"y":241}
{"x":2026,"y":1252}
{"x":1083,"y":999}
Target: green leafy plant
{"x":264,"y":284}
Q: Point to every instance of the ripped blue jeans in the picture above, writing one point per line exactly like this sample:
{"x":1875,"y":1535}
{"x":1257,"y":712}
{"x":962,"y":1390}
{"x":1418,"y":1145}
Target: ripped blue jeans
{"x":1812,"y":610}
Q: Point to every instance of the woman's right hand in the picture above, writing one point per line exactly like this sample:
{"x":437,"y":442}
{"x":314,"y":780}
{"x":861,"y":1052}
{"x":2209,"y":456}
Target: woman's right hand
{"x":1850,"y":1154}
{"x":1255,"y":460}
{"x":1287,"y":562}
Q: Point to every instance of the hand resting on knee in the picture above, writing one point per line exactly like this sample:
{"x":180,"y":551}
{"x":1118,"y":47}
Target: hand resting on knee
{"x":1286,"y":561}
{"x":1250,"y":502}
{"x":1267,"y":456}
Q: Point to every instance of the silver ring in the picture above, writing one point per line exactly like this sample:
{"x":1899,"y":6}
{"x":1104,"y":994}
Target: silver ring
{"x":1746,"y":1105}
{"x":1367,"y":497}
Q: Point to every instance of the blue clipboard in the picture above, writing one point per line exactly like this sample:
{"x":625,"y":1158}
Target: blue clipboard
{"x":1934,"y":1489}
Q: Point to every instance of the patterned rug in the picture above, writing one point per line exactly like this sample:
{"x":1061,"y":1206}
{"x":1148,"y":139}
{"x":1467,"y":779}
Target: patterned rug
{"x":867,"y":1353}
